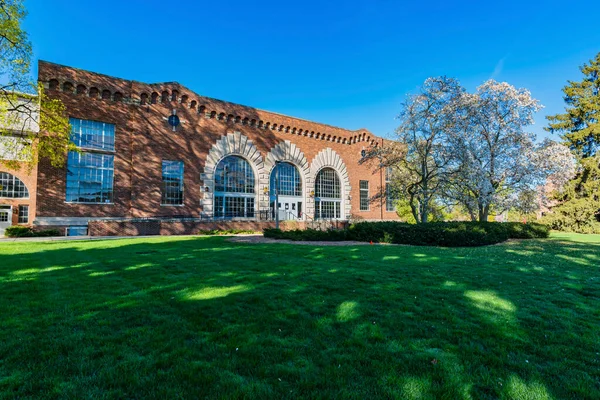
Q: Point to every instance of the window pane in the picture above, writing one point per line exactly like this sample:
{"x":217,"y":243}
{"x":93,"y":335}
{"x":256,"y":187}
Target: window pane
{"x":327,"y":195}
{"x":234,"y":175}
{"x":290,"y":183}
{"x":234,"y":188}
{"x":23,"y":214}
{"x":327,"y":184}
{"x":364,"y":195}
{"x":12,"y":187}
{"x":172,"y":183}
{"x":92,"y":134}
{"x":89,"y":178}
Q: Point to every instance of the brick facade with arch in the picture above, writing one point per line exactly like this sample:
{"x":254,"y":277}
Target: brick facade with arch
{"x":209,"y":130}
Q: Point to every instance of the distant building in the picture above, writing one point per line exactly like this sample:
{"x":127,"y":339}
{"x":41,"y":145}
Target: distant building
{"x":152,"y":152}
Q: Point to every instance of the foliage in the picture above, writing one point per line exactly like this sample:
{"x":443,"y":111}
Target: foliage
{"x":447,"y":234}
{"x":222,"y":232}
{"x":578,"y":208}
{"x":26,"y":231}
{"x":580,"y":123}
{"x":425,"y":120}
{"x":330,"y":235}
{"x":494,"y":157}
{"x":31,"y":124}
{"x":576,"y":215}
{"x":200,"y":317}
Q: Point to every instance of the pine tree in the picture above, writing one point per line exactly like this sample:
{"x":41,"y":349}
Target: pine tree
{"x":579,"y":126}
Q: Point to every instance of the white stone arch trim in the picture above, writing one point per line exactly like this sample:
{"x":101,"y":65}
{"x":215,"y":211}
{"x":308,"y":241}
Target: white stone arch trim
{"x":233,"y":144}
{"x":328,"y":158}
{"x":288,"y":152}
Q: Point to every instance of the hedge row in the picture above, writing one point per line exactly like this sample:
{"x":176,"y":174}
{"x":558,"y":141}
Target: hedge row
{"x":25,"y":231}
{"x":447,"y":234}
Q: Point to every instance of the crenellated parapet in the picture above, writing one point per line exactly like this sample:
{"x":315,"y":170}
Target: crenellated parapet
{"x":76,"y":82}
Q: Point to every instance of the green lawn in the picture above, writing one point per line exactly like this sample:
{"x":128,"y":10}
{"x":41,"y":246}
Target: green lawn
{"x":205,"y":318}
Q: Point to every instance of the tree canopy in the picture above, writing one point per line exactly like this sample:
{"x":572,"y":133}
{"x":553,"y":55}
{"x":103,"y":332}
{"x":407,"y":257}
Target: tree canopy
{"x":578,"y":207}
{"x":32,"y":125}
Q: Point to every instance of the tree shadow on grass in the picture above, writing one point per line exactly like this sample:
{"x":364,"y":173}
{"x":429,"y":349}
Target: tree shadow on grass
{"x":200,"y":317}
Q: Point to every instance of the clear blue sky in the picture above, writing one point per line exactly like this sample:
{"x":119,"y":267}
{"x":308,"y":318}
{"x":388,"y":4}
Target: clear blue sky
{"x":347,"y":63}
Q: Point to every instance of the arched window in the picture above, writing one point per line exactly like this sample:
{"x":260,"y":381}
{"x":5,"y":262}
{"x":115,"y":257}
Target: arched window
{"x":234,"y":188}
{"x":12,"y":187}
{"x":285,"y":177}
{"x":328,"y":195}
{"x":290,"y":183}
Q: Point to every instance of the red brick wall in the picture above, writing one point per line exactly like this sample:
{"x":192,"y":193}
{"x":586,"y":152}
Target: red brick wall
{"x":28,"y":174}
{"x":144,"y":139}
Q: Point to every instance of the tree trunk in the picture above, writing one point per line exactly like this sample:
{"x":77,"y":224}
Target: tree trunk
{"x":484,"y":212}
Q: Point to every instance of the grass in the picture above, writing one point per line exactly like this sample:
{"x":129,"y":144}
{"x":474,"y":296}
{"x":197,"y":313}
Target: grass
{"x":205,"y":318}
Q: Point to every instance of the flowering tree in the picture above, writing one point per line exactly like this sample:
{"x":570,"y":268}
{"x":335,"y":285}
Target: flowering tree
{"x":421,"y":164}
{"x":493,"y":156}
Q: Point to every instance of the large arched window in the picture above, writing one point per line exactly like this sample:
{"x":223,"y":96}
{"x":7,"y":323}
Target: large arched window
{"x":286,"y":178}
{"x":234,"y":188}
{"x":328,"y":195}
{"x":12,"y":187}
{"x":290,"y":183}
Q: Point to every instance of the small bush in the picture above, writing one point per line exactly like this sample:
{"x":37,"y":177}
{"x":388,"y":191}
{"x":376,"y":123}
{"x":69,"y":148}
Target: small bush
{"x":26,"y":231}
{"x":447,"y":234}
{"x":18,"y":231}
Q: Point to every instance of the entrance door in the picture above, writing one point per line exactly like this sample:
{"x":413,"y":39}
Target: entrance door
{"x":5,"y":218}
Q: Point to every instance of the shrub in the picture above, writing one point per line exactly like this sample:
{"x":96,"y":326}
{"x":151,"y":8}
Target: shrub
{"x":448,"y":234}
{"x":18,"y":231}
{"x":26,"y":231}
{"x":518,"y":230}
{"x":331,"y":235}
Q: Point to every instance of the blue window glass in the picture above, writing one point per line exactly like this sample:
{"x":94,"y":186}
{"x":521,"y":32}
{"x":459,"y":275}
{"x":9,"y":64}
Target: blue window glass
{"x":92,"y":135}
{"x":234,"y":175}
{"x":90,"y":177}
{"x":234,"y":189}
{"x":290,"y":183}
{"x":172,"y":183}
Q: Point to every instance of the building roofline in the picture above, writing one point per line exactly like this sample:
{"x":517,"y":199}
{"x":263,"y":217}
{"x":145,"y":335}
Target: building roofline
{"x":174,"y":83}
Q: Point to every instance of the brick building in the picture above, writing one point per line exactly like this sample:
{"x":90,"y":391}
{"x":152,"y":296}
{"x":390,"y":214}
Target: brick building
{"x":150,"y":152}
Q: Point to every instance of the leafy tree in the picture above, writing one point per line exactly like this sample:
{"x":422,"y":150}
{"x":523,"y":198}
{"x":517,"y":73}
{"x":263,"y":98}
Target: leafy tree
{"x":579,"y":126}
{"x":32,"y":125}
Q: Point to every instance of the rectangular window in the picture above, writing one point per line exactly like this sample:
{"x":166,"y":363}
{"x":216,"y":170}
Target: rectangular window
{"x":23,"y":214}
{"x":390,"y":200}
{"x":234,"y":207}
{"x":327,"y":209}
{"x":172,"y":183}
{"x":77,"y":231}
{"x":92,"y":135}
{"x":90,"y":178}
{"x":364,"y":195}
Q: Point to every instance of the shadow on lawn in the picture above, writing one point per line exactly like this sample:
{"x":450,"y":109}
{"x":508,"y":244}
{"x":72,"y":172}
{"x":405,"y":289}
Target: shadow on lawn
{"x":204,"y":317}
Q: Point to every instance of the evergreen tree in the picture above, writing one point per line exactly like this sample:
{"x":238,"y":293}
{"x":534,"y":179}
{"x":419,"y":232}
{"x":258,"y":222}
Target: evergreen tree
{"x":579,"y":126}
